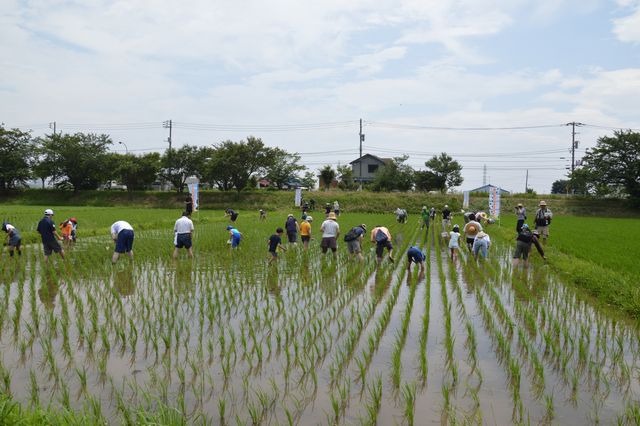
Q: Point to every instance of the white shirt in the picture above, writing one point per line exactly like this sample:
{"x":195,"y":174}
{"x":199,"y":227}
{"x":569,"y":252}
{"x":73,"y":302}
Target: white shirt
{"x":330,"y":228}
{"x":184,"y":225}
{"x":10,"y":227}
{"x":119,"y":226}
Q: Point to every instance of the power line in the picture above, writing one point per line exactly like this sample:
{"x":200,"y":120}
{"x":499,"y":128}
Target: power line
{"x":424,"y":127}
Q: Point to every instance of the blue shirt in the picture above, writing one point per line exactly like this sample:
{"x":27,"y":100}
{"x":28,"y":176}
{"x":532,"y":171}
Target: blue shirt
{"x":235,"y":234}
{"x":415,"y":255}
{"x":46,"y":228}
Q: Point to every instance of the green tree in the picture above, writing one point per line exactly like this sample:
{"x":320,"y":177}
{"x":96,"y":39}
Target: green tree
{"x":560,"y":186}
{"x":345,"y":177}
{"x":394,"y":175}
{"x":428,"y":181}
{"x":327,"y":176}
{"x":16,"y":158}
{"x":447,"y":169}
{"x":309,"y":180}
{"x":176,"y":165}
{"x":282,"y":166}
{"x":138,"y":172}
{"x":613,"y":166}
{"x":234,"y":163}
{"x":81,"y":160}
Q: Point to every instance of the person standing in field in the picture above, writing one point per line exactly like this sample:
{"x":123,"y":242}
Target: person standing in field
{"x":523,"y":245}
{"x":188,"y":205}
{"x":330,"y":230}
{"x":336,"y":208}
{"x":381,"y":236}
{"x":263,"y":215}
{"x":74,"y":228}
{"x":14,"y":241}
{"x":432,"y":213}
{"x":481,"y":245}
{"x":274,"y":243}
{"x":49,"y":235}
{"x":327,"y":210}
{"x":232,"y":214}
{"x":354,"y":238}
{"x":415,"y":255}
{"x":122,"y":235}
{"x":305,"y":232}
{"x":470,"y":230}
{"x":454,"y":241}
{"x":292,"y":227}
{"x":426,"y":217}
{"x":234,"y":236}
{"x":446,"y":218}
{"x":521,"y":214}
{"x":543,"y":220}
{"x":183,"y":235}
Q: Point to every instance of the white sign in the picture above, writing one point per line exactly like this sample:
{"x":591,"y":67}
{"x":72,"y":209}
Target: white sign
{"x":298,"y":197}
{"x":494,"y":202}
{"x":465,"y":200}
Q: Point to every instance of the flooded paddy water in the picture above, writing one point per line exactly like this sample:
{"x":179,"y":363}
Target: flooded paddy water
{"x":228,"y":339}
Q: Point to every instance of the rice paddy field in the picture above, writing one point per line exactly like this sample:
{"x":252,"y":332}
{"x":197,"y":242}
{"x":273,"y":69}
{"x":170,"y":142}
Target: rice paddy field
{"x":226,"y":338}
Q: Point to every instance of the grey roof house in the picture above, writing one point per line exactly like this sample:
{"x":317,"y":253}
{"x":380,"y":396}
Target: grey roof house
{"x":487,"y":188}
{"x":370,"y":165}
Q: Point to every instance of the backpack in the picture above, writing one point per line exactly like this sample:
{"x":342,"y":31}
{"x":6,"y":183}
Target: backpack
{"x":351,"y":235}
{"x":381,"y":236}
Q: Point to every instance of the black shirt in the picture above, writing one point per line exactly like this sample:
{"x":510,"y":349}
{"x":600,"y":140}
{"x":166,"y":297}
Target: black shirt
{"x":46,"y":228}
{"x":274,"y":242}
{"x":446,"y":213}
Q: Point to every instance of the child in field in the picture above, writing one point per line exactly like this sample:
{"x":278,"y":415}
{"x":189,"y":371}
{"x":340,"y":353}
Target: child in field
{"x":415,"y":255}
{"x":454,"y":241}
{"x":234,"y":236}
{"x":381,"y":236}
{"x":66,"y":228}
{"x":74,"y":228}
{"x":274,"y":242}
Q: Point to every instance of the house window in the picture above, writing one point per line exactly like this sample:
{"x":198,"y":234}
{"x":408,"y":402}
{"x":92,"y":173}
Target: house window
{"x":372,"y":168}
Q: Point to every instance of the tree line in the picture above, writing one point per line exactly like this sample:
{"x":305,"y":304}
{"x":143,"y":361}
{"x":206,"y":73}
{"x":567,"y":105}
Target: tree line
{"x":84,"y":161}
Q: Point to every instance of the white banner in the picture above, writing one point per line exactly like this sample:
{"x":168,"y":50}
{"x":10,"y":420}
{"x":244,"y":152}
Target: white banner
{"x":494,"y":202}
{"x":193,"y":190}
{"x":465,"y":200}
{"x":298,"y":197}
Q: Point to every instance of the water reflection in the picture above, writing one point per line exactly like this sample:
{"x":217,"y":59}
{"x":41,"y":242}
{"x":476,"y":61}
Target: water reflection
{"x":123,"y":282}
{"x":48,"y":291}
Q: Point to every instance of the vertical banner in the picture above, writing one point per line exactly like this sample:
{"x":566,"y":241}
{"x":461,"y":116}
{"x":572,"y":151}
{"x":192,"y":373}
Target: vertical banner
{"x":465,"y":200}
{"x":494,"y":202}
{"x":193,"y":190}
{"x":298,"y":197}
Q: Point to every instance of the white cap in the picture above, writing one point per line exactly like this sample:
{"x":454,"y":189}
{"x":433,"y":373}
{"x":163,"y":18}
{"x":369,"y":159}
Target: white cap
{"x":48,"y":212}
{"x":309,"y":219}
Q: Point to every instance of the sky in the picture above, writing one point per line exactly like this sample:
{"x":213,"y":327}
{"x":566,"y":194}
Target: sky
{"x":490,"y":82}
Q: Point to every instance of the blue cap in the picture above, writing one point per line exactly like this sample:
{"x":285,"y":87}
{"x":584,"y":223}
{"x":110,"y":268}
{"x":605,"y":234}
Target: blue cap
{"x":525,"y":226}
{"x":229,"y":227}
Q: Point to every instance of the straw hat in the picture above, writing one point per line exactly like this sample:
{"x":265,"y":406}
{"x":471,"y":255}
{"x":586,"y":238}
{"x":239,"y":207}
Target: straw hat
{"x":519,"y":204}
{"x":481,"y":234}
{"x":332,"y":216}
{"x":543,"y":203}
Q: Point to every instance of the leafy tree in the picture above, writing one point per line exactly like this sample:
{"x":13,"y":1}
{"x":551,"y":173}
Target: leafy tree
{"x":16,"y":157}
{"x":345,"y":177}
{"x":560,"y":186}
{"x":80,"y":160}
{"x":327,"y":176}
{"x":309,"y":180}
{"x":395,"y":175}
{"x":428,"y":181}
{"x":234,"y":163}
{"x":282,"y":166}
{"x":138,"y":172}
{"x":447,"y":169}
{"x":177,"y":165}
{"x":614,"y":164}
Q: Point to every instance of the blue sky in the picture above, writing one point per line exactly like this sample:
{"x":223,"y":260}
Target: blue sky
{"x":258,"y":68}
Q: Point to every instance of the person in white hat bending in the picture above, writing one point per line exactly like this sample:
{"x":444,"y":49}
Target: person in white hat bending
{"x":543,"y":220}
{"x":49,"y":235}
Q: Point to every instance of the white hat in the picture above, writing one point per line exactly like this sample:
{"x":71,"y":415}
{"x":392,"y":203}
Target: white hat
{"x":48,"y":212}
{"x":309,"y":219}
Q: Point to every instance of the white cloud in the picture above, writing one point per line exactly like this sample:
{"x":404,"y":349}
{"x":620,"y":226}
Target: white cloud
{"x":627,"y":29}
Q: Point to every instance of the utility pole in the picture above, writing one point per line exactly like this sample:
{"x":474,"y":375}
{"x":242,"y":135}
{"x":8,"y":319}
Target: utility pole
{"x":360,"y":159}
{"x":168,"y":124}
{"x":526,"y":182}
{"x":484,"y":175}
{"x":52,"y":125}
{"x":574,"y":145}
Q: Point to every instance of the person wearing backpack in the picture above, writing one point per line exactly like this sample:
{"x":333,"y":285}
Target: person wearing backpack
{"x":292,"y":227}
{"x":382,"y":238}
{"x":354,"y":240}
{"x":543,"y":220}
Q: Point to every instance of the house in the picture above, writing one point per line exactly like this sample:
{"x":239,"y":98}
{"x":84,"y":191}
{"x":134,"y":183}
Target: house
{"x":487,"y":189}
{"x":370,"y":165}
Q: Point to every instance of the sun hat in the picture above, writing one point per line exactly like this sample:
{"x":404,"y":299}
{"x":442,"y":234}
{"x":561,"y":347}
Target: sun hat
{"x":363,"y":226}
{"x":229,"y":227}
{"x":543,"y":203}
{"x":48,"y":212}
{"x":446,"y":206}
{"x":289,"y":215}
{"x":456,"y":228}
{"x":309,"y":219}
{"x":73,"y":219}
{"x":332,"y":216}
{"x":536,"y":232}
{"x":424,"y":207}
{"x":519,"y":204}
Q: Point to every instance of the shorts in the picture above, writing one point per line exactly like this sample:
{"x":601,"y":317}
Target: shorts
{"x":328,"y":243}
{"x":50,"y":247}
{"x":381,"y":245}
{"x":470,"y":240}
{"x":544,"y":231}
{"x":522,"y":250}
{"x":15,"y":241}
{"x":182,"y":240}
{"x":446,"y":222}
{"x":305,"y":238}
{"x":235,"y":242}
{"x":353,"y":246}
{"x":292,"y":236}
{"x":124,"y":242}
{"x":234,"y":217}
{"x":273,"y":253}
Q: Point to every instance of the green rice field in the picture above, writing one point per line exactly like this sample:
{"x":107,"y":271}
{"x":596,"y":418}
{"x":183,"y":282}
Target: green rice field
{"x":226,"y":338}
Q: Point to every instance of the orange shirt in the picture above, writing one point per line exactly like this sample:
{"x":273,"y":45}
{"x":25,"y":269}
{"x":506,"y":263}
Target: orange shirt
{"x":66,"y":230}
{"x":305,"y":228}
